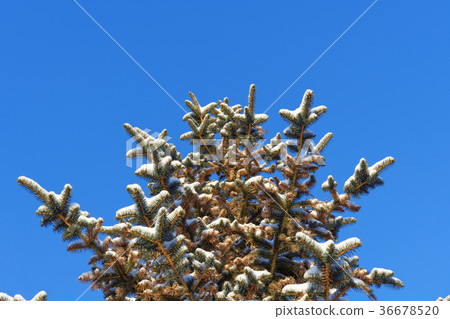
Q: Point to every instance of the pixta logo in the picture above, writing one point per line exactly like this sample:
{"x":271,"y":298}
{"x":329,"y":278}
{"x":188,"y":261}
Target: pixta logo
{"x":246,"y":151}
{"x":146,"y":156}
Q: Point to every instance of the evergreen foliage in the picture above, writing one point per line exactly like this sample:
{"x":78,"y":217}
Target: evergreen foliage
{"x":233,"y":220}
{"x":40,"y":296}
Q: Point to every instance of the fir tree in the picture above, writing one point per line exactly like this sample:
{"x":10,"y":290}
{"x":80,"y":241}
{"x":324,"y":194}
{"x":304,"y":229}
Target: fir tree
{"x":233,"y":220}
{"x":40,"y":296}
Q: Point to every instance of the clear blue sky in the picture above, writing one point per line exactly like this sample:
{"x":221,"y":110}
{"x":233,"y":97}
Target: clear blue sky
{"x":66,"y":89}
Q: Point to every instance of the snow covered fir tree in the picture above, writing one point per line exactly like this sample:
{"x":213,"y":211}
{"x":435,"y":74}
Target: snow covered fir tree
{"x":233,"y":220}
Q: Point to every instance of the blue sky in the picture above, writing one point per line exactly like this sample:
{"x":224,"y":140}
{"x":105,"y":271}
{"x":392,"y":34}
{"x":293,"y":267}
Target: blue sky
{"x":66,"y":89}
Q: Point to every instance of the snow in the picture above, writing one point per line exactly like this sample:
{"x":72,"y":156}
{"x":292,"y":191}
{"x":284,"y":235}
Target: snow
{"x":220,"y":222}
{"x":313,"y":272}
{"x":295,"y":289}
{"x":381,"y":272}
{"x":87,"y":221}
{"x":147,"y":232}
{"x":111,"y":254}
